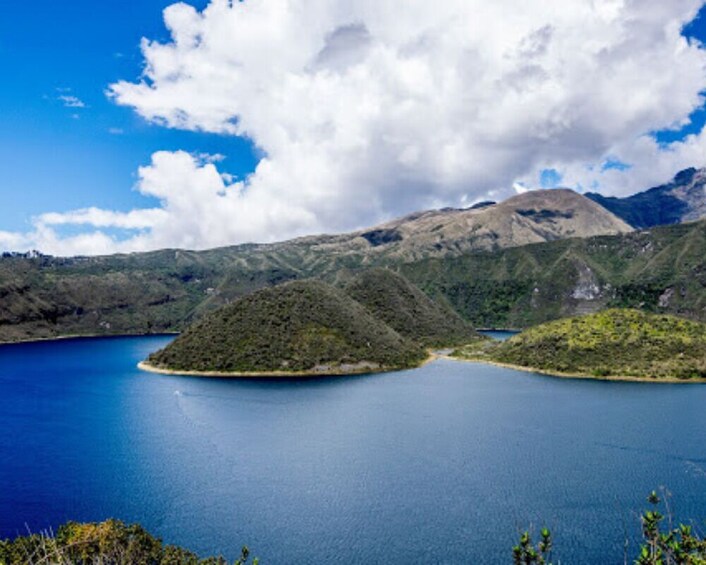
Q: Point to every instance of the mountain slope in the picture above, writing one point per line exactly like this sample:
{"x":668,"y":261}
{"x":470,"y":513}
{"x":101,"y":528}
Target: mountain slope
{"x":533,"y":217}
{"x":302,"y":326}
{"x":662,"y":270}
{"x":42,"y":297}
{"x":682,"y":200}
{"x":392,"y":299}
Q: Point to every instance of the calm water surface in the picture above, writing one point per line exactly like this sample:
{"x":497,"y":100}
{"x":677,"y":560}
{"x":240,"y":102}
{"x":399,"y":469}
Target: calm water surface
{"x":501,"y":335}
{"x":442,"y":464}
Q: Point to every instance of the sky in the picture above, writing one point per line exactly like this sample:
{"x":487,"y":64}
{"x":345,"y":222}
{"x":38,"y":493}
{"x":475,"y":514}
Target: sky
{"x":130,"y":126}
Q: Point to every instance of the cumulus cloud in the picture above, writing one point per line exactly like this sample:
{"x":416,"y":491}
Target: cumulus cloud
{"x":369,"y":109}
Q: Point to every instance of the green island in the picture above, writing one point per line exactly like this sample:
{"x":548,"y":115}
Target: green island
{"x":612,"y":344}
{"x":305,"y":328}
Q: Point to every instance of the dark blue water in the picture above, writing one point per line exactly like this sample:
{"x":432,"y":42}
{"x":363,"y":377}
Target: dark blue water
{"x":441,"y":464}
{"x":501,"y":335}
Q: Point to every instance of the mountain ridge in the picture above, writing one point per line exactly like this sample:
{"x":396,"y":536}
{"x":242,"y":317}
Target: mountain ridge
{"x":681,"y":200}
{"x":43,"y":297}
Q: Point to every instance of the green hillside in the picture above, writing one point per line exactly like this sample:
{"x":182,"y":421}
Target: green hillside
{"x":302,"y":326}
{"x":660,"y":270}
{"x":616,"y":342}
{"x":407,"y":310}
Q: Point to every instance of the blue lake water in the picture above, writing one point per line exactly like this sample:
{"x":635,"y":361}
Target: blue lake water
{"x":442,"y":464}
{"x":501,"y":335}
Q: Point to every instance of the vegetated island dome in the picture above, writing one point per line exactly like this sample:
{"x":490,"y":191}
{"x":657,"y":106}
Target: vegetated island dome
{"x":311,"y":328}
{"x":615,"y":343}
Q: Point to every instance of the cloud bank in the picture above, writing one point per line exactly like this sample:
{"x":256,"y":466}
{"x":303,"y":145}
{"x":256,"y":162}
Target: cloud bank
{"x":370,"y":109}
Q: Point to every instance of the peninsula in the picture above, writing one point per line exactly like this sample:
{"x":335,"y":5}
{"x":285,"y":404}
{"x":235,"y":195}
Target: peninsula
{"x":622,"y":344}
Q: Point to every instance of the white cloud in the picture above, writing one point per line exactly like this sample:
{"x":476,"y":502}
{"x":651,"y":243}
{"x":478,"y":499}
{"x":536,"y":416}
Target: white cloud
{"x":369,"y":109}
{"x":71,"y":101}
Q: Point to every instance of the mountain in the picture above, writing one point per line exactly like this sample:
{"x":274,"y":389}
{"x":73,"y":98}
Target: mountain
{"x":682,"y":200}
{"x":612,"y":343}
{"x":44,"y":297}
{"x":533,"y":217}
{"x":662,"y":270}
{"x":411,"y":313}
{"x":301,"y":326}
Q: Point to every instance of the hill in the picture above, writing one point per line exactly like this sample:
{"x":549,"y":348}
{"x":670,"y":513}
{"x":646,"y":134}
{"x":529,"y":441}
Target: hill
{"x":662,"y":270}
{"x":533,"y":217}
{"x":615,"y":342}
{"x":411,"y":313}
{"x":682,"y":200}
{"x":44,"y":297}
{"x":302,"y":326}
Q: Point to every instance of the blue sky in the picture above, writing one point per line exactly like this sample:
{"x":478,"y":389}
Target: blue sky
{"x":64,"y":145}
{"x":60,"y":158}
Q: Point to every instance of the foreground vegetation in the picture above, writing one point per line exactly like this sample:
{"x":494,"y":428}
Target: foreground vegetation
{"x":673,"y":546}
{"x":302,"y":326}
{"x":106,"y":543}
{"x":115,"y":543}
{"x":615,"y":342}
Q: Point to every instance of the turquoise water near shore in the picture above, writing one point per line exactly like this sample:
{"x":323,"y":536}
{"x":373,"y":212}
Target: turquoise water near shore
{"x":446,"y":463}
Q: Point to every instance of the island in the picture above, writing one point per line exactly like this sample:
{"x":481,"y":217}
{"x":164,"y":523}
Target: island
{"x":622,"y":344}
{"x":306,"y":328}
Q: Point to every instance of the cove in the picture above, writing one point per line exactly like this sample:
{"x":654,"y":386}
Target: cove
{"x":446,"y":463}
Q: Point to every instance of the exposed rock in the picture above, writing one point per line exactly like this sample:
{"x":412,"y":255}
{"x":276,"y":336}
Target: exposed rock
{"x":665,"y":298}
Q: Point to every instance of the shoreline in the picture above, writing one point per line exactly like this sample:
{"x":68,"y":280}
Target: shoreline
{"x":145,"y":366}
{"x":432,"y":356}
{"x":577,"y":376}
{"x":84,"y":336}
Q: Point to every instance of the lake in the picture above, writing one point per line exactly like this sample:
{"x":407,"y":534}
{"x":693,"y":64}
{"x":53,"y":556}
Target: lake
{"x":447,"y":463}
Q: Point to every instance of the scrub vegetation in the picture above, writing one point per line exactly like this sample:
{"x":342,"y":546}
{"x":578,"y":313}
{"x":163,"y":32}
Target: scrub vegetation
{"x":615,"y":342}
{"x":406,"y":309}
{"x":302,"y":326}
{"x":106,"y":543}
{"x":379,"y":322}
